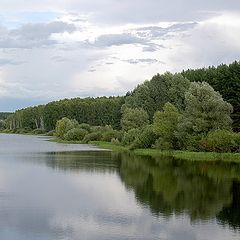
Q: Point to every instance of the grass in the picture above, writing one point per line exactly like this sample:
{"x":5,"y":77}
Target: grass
{"x":192,"y":156}
{"x":183,"y":155}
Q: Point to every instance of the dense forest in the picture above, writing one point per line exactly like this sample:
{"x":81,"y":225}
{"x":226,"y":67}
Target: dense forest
{"x":196,"y":110}
{"x":3,"y":117}
{"x":226,"y":80}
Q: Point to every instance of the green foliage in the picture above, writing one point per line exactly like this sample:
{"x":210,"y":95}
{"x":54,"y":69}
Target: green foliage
{"x":163,"y":144}
{"x":134,"y":118}
{"x":22,"y":130}
{"x":205,"y":111}
{"x":111,"y":134}
{"x":224,"y":79}
{"x":38,"y":131}
{"x":145,"y":139}
{"x":221,"y":141}
{"x":4,"y":115}
{"x":130,"y":136}
{"x":2,"y":124}
{"x":51,"y":133}
{"x":75,"y":134}
{"x":93,"y":111}
{"x":153,"y":94}
{"x":94,"y":136}
{"x":115,"y":141}
{"x":165,"y":125}
{"x":85,"y":126}
{"x":64,"y":125}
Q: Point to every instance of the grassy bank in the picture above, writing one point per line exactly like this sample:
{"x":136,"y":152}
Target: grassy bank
{"x":184,"y":155}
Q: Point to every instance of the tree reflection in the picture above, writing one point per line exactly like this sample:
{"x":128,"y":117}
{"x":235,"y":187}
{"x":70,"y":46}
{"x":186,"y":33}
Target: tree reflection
{"x":202,"y":190}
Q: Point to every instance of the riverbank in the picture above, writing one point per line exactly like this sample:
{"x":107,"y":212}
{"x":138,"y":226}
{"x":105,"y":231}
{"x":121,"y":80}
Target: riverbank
{"x":183,"y":155}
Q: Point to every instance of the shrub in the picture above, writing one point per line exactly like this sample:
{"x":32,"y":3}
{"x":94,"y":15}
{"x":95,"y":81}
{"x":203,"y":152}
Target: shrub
{"x":110,"y":134}
{"x":134,"y":118}
{"x":163,"y":144}
{"x":145,"y":139}
{"x":50,"y":133}
{"x":115,"y":141}
{"x":165,"y":126}
{"x":22,"y":130}
{"x":38,"y":131}
{"x":64,"y":125}
{"x":85,"y":126}
{"x":236,"y":137}
{"x":94,"y":136}
{"x":130,"y":136}
{"x":219,"y":141}
{"x":75,"y":134}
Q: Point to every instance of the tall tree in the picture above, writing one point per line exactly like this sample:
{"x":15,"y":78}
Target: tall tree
{"x":205,"y":111}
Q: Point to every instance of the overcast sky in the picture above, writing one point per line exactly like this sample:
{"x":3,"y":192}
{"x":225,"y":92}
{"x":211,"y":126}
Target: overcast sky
{"x":76,"y":48}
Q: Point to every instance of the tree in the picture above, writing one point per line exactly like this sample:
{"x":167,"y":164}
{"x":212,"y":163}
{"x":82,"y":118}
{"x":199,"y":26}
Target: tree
{"x":205,"y":111}
{"x":226,"y":80}
{"x":64,"y":125}
{"x":134,"y":118}
{"x":165,"y":124}
{"x":152,"y":95}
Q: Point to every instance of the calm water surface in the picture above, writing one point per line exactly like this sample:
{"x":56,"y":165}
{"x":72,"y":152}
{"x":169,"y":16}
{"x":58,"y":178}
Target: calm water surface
{"x":58,"y":191}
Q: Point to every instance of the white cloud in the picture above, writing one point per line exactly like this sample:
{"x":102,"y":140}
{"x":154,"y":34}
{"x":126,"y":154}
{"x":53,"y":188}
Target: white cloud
{"x":77,"y":48}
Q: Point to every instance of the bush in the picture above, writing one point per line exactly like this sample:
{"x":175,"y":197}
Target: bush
{"x":145,"y":139}
{"x":22,"y":130}
{"x":64,"y":125}
{"x":130,"y":136}
{"x":95,"y":129}
{"x":236,"y":137}
{"x":85,"y":126}
{"x":134,"y":118}
{"x":115,"y":141}
{"x":94,"y":136}
{"x":38,"y":131}
{"x":110,"y":134}
{"x":51,"y":133}
{"x":163,"y":144}
{"x":220,"y":141}
{"x":75,"y":134}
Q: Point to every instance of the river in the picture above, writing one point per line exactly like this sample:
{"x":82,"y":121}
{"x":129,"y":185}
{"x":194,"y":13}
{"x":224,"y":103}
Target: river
{"x":54,"y":191}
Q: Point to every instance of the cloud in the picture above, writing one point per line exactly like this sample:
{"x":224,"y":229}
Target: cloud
{"x":90,"y":48}
{"x":34,"y":35}
{"x":155,"y":32}
{"x":134,"y":11}
{"x":143,"y":60}
{"x":4,"y":62}
{"x":109,"y":40}
{"x":211,"y":42}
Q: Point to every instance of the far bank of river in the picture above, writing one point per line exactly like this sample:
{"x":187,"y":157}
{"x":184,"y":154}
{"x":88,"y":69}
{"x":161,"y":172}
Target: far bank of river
{"x":182,"y":155}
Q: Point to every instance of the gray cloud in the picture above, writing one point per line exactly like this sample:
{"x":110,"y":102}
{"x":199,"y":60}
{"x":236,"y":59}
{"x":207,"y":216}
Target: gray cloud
{"x":143,"y":60}
{"x":125,"y":11}
{"x":109,"y":40}
{"x":153,"y":32}
{"x":4,"y":61}
{"x":33,"y":35}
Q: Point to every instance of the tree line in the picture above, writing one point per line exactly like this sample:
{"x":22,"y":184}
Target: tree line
{"x":190,"y":110}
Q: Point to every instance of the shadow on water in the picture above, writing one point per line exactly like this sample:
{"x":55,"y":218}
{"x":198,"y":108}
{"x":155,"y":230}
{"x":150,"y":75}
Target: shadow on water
{"x":202,"y":190}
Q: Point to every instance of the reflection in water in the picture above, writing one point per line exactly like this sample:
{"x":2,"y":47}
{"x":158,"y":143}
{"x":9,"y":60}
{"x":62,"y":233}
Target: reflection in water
{"x":53,"y":191}
{"x":203,"y":190}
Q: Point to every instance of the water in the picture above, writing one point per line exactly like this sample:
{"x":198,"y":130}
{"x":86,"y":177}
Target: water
{"x":59,"y":191}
